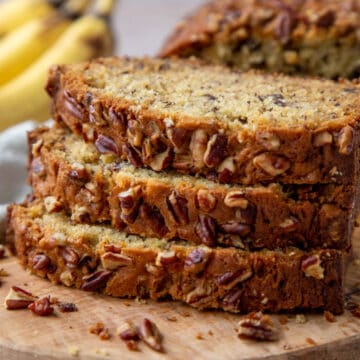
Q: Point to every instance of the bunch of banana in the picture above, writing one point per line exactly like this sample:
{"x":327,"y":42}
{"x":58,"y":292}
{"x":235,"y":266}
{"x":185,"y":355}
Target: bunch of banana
{"x":35,"y":34}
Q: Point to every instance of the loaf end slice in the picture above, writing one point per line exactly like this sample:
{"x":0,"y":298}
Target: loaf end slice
{"x":296,"y":37}
{"x":97,"y":258}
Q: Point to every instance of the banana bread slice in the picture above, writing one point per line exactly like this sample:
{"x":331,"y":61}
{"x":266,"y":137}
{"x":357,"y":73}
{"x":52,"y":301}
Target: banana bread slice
{"x":232,"y":127}
{"x":98,"y":258}
{"x":72,"y":175}
{"x":309,"y":37}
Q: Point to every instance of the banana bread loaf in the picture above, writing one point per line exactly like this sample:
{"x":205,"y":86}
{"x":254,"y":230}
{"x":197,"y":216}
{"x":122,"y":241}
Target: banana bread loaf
{"x":309,"y":37}
{"x":72,"y":175}
{"x":233,"y":127}
{"x":98,"y":258}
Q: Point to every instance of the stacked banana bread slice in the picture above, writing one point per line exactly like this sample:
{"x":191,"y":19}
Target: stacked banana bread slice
{"x":171,"y":178}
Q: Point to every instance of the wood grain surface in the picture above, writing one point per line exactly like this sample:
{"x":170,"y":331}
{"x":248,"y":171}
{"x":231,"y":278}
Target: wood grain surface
{"x":26,"y":336}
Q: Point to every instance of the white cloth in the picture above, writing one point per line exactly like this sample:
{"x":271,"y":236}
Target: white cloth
{"x":13,"y":162}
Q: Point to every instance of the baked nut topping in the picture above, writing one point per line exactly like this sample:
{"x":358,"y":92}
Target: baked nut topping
{"x":134,"y":133}
{"x":323,"y":138}
{"x":41,"y":262}
{"x":106,"y":145}
{"x":206,"y":201}
{"x":164,"y":258}
{"x":311,"y":266}
{"x":41,"y":307}
{"x":258,"y":326}
{"x":236,"y":198}
{"x":71,"y":257}
{"x":270,"y":141}
{"x":18,"y":298}
{"x":131,"y":155}
{"x":177,"y":206}
{"x":198,"y":145}
{"x":271,"y":164}
{"x":96,"y":281}
{"x":346,"y":140}
{"x":150,"y":335}
{"x":216,"y":150}
{"x":206,"y":230}
{"x":112,"y":261}
{"x":78,"y":171}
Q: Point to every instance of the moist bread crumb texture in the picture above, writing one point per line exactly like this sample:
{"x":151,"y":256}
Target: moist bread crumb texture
{"x":232,"y":127}
{"x":308,"y":37}
{"x":98,"y":258}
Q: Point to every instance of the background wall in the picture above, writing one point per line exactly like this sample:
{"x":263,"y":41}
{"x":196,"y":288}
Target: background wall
{"x":142,"y":25}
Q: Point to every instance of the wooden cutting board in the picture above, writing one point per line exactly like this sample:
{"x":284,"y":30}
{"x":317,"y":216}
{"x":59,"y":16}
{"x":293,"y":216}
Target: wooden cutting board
{"x":188,"y":333}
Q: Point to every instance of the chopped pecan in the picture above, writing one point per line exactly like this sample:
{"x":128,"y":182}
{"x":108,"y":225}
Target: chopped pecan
{"x":88,"y":132}
{"x":311,"y":266}
{"x":323,"y":138}
{"x":258,"y":326}
{"x":112,"y":248}
{"x":206,"y":230}
{"x":100,"y":330}
{"x":134,"y":133}
{"x":72,"y":106}
{"x":147,"y":150}
{"x":198,"y":144}
{"x":37,"y":167}
{"x":284,"y":23}
{"x":216,"y":150}
{"x":52,"y":204}
{"x":117,"y":118}
{"x":178,"y":137}
{"x":78,"y":171}
{"x":41,"y":262}
{"x":161,"y":161}
{"x":235,"y":228}
{"x":112,"y":261}
{"x":177,"y":206}
{"x":132,"y":155}
{"x":270,"y":141}
{"x":70,"y":256}
{"x":226,"y":169}
{"x":96,"y":281}
{"x":271,"y":164}
{"x":326,"y":18}
{"x":106,"y":145}
{"x":67,"y":278}
{"x":289,"y":224}
{"x":129,"y":333}
{"x":150,"y":334}
{"x":200,"y":292}
{"x":129,"y":198}
{"x":41,"y":307}
{"x":231,"y":278}
{"x":164,"y":258}
{"x":205,"y":200}
{"x":232,"y":300}
{"x":346,"y":140}
{"x":236,"y":198}
{"x":18,"y":298}
{"x":248,"y":215}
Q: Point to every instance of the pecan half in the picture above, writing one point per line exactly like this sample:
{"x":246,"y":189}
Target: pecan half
{"x":18,"y":298}
{"x":42,"y":307}
{"x":177,"y":206}
{"x":106,"y":145}
{"x":164,"y":258}
{"x":132,"y":155}
{"x":206,"y":230}
{"x":161,"y":161}
{"x":41,"y":262}
{"x":271,"y":164}
{"x":72,"y":106}
{"x":235,"y":228}
{"x":70,"y":256}
{"x":346,"y":140}
{"x":112,"y":261}
{"x":96,"y":281}
{"x":198,"y":144}
{"x":216,"y":150}
{"x":150,"y":334}
{"x":258,"y":326}
{"x":311,"y":266}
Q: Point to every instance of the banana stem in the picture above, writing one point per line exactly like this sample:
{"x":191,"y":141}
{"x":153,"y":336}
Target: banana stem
{"x":74,"y":8}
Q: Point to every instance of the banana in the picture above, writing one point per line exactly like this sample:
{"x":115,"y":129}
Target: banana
{"x":103,"y":7}
{"x":23,"y":46}
{"x":14,"y":13}
{"x":24,"y":97}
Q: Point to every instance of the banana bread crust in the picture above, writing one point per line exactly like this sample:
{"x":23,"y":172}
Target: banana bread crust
{"x":316,"y":37}
{"x":89,"y":257}
{"x":94,"y":188}
{"x":240,"y":151}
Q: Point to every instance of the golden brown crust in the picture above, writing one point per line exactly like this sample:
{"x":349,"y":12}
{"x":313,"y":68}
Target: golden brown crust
{"x":320,"y":145}
{"x":290,"y":26}
{"x":219,"y":278}
{"x":72,"y":176}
